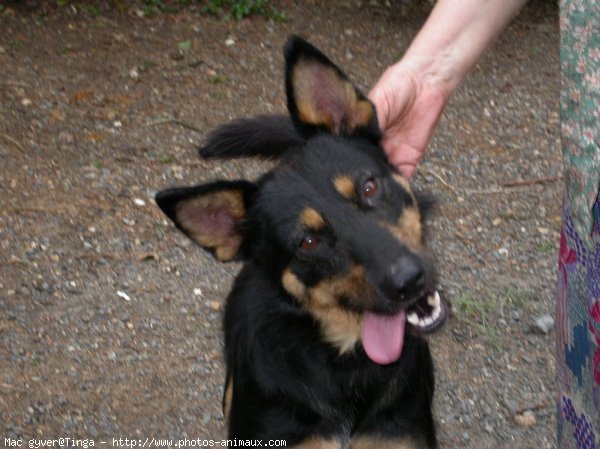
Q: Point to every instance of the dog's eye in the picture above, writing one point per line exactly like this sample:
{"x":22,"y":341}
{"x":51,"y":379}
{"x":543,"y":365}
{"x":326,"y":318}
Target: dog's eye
{"x":370,"y":188}
{"x":309,"y":242}
{"x":370,"y":191}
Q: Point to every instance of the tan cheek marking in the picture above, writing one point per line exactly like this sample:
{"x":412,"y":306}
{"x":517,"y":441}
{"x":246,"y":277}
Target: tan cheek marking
{"x":340,"y":327}
{"x":409,"y":229}
{"x":370,"y":442}
{"x":293,"y":285}
{"x":345,"y":186}
{"x":311,"y":219}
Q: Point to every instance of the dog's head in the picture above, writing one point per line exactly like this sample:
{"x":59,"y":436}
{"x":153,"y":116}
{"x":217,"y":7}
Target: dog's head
{"x":335,"y":226}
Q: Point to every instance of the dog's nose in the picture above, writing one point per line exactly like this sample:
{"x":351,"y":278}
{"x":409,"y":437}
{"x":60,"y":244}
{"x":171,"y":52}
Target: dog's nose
{"x":407,"y":276}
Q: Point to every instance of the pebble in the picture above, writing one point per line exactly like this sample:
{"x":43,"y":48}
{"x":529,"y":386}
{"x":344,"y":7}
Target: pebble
{"x":526,"y":419}
{"x":543,"y":324}
{"x":122,"y":294}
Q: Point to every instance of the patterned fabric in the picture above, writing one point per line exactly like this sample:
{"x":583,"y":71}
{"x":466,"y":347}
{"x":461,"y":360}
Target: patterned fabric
{"x":580,"y":106}
{"x":578,"y":292}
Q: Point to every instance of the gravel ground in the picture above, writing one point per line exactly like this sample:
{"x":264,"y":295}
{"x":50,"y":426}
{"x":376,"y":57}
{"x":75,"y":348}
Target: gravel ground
{"x":110,"y":319}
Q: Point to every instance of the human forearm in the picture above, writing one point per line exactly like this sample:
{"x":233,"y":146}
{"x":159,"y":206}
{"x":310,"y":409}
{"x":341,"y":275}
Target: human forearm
{"x":455,"y":36}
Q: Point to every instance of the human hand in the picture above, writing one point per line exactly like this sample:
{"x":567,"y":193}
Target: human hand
{"x":408,"y":110}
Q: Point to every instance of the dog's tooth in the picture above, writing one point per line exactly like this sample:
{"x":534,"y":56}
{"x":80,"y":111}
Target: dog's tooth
{"x":427,"y":321}
{"x":434,"y":299}
{"x":436,"y":313}
{"x":413,"y":318}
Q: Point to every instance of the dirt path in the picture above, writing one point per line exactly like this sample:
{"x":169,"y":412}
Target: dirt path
{"x":110,"y":320}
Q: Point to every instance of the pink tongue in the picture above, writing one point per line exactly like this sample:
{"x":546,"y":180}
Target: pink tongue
{"x":383,"y":336}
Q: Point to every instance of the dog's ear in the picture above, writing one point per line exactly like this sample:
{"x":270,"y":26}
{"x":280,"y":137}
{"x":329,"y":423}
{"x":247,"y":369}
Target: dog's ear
{"x":265,"y":136}
{"x":211,"y":214}
{"x":321,"y":98}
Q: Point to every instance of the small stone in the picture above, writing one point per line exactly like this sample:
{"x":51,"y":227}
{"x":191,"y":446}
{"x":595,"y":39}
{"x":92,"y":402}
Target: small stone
{"x":122,"y":294}
{"x":134,"y":74}
{"x":229,"y":42}
{"x":543,"y":324}
{"x":526,"y":419}
{"x":139,"y":202}
{"x":497,"y":221}
{"x":214,"y":305}
{"x":112,"y":356}
{"x":197,"y":292}
{"x":503,"y":251}
{"x":26,"y":102}
{"x":65,"y":137}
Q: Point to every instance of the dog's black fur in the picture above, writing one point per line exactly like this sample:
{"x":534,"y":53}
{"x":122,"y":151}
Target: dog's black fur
{"x":328,"y":236}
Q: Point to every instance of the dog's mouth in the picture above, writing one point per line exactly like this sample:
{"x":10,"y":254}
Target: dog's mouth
{"x":382,"y":335}
{"x":428,"y":313}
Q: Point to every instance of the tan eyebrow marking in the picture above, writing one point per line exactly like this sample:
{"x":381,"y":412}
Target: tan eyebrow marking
{"x":345,"y":186}
{"x":311,"y":219}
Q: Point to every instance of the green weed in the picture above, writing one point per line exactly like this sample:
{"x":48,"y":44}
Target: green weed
{"x":239,"y":9}
{"x":547,"y":246}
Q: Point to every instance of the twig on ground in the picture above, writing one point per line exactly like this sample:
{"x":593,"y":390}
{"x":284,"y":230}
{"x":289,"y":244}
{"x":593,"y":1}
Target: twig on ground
{"x":50,"y":210}
{"x":499,"y":189}
{"x":14,"y":84}
{"x":13,"y":141}
{"x":460,"y":189}
{"x":173,"y":120}
{"x":434,"y":174}
{"x":528,"y":182}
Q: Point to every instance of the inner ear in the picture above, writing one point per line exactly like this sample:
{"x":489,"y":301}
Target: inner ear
{"x":320,"y":96}
{"x":210,"y":214}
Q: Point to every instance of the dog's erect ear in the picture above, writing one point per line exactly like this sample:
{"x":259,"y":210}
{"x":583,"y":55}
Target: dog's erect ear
{"x":321,"y":98}
{"x":211,"y":214}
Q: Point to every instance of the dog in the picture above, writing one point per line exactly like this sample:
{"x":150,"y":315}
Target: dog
{"x":323,"y":323}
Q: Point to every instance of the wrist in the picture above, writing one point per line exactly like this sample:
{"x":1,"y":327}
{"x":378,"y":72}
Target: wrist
{"x":441,"y":74}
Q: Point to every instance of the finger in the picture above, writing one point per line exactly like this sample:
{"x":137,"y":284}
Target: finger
{"x":406,"y":170}
{"x":402,"y":154}
{"x":382,"y":106}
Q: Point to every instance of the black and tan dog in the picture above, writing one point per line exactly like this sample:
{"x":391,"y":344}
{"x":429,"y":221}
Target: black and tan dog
{"x":322,"y":326}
